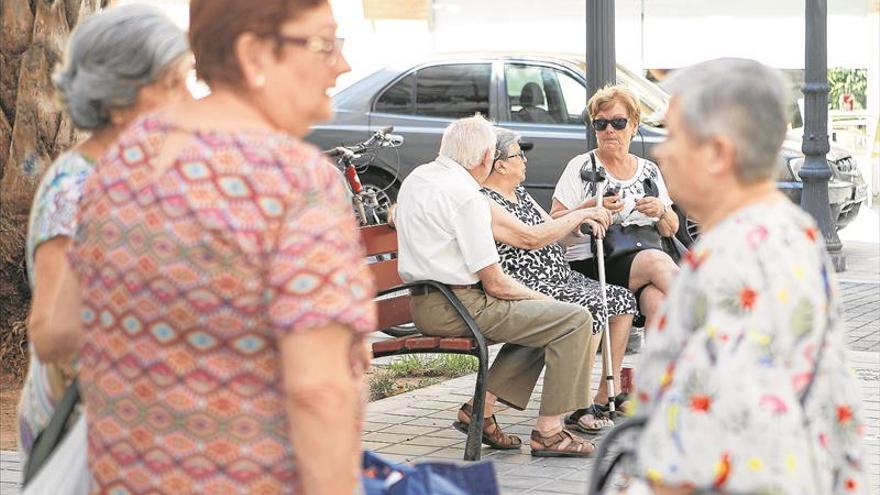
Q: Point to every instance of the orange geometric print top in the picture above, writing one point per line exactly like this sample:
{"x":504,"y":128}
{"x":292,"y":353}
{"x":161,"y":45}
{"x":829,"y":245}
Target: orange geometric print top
{"x":189,"y":278}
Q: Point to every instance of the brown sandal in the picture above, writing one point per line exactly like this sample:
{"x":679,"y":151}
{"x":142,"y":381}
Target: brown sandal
{"x":562,"y":444}
{"x":492,"y":434}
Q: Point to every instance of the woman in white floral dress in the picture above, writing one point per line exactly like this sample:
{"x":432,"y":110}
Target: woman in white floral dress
{"x":120,"y":63}
{"x":744,"y":379}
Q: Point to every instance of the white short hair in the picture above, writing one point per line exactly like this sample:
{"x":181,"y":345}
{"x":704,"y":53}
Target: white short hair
{"x":466,"y":141}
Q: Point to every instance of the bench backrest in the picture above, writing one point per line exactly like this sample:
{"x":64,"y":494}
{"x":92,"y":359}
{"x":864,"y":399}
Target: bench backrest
{"x":381,"y":241}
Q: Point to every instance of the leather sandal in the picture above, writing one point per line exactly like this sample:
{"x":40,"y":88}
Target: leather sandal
{"x":591,"y":420}
{"x":492,"y":434}
{"x":562,"y":444}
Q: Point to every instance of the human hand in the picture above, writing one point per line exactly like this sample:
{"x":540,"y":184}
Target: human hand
{"x":361,"y":356}
{"x":613,"y":203}
{"x":651,"y":206}
{"x":392,"y":208}
{"x":598,"y":230}
{"x":600,"y":216}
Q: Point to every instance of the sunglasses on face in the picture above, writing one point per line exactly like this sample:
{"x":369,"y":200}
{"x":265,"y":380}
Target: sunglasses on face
{"x":602,"y":124}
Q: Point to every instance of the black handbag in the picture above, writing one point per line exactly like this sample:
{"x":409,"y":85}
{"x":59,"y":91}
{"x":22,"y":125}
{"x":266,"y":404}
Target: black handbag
{"x":621,"y":240}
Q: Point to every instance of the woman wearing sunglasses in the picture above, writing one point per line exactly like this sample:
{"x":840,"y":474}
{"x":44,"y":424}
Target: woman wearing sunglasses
{"x":614,"y":115}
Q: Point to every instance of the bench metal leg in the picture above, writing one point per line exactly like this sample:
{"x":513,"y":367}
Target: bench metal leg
{"x":473,"y":447}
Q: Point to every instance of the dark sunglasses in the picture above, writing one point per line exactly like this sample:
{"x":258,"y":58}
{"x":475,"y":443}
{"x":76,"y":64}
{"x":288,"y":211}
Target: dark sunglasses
{"x":602,"y":124}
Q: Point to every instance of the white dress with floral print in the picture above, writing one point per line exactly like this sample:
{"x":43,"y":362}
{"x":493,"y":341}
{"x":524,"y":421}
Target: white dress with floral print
{"x":727,"y":365}
{"x":53,"y":214}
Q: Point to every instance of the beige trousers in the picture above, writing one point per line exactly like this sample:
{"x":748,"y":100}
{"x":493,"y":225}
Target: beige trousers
{"x":535,"y":334}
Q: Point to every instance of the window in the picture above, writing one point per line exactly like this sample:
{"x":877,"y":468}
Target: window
{"x":453,"y":91}
{"x":543,"y":95}
{"x":574,"y":95}
{"x":398,"y":98}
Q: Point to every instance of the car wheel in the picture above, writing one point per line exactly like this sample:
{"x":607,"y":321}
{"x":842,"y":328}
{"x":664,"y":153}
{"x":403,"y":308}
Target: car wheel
{"x":688,"y":228}
{"x":384,"y":185}
{"x":692,"y":228}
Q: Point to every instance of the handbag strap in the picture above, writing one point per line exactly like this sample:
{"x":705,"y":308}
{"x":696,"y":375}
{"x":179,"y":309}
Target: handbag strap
{"x":48,"y":439}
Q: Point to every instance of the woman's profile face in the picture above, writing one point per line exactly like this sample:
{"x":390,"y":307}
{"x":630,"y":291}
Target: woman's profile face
{"x":611,"y":139}
{"x":298,"y":79}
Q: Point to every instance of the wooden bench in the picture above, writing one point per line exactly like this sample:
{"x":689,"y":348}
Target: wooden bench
{"x":393,"y":301}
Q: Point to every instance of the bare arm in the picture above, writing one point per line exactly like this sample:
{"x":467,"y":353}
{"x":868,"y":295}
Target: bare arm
{"x":668,"y":224}
{"x":321,"y":396}
{"x":54,"y":325}
{"x":611,"y":203}
{"x":508,"y":229}
{"x":500,"y":285}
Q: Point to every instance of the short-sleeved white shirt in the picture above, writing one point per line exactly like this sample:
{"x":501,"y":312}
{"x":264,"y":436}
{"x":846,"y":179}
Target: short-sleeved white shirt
{"x":444,"y":225}
{"x":571,"y":191}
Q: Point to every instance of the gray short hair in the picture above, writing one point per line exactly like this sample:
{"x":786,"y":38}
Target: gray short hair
{"x":110,"y":56}
{"x":743,"y":100}
{"x":466,"y":141}
{"x":506,"y":138}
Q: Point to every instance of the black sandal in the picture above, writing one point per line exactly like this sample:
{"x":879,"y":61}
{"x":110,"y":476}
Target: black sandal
{"x":573,"y":420}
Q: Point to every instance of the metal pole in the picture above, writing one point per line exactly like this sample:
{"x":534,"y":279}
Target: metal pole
{"x":601,"y":59}
{"x":815,"y":172}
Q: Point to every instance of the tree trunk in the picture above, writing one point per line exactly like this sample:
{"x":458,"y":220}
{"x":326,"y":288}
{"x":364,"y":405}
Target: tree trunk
{"x":33,"y":131}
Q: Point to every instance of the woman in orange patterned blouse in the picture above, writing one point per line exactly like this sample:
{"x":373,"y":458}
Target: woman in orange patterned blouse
{"x":220,"y":275}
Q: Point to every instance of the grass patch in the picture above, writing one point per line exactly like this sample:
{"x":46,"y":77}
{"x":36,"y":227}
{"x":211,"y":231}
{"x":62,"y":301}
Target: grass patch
{"x":415,"y":371}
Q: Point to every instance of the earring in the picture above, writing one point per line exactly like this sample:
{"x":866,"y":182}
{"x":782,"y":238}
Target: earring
{"x":260,"y":80}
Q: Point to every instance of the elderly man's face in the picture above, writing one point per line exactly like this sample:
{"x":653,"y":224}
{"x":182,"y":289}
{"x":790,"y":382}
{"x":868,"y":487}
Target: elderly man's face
{"x":684,"y":163}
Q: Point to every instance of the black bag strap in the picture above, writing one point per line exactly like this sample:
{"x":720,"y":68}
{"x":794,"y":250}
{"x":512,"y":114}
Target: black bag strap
{"x":49,"y":439}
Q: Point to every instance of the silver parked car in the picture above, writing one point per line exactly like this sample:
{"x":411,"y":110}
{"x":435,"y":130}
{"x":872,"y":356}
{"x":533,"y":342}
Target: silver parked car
{"x":543,"y":98}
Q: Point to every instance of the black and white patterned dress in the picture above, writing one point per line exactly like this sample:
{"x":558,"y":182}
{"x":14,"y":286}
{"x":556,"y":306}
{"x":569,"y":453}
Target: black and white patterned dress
{"x":546,"y":271}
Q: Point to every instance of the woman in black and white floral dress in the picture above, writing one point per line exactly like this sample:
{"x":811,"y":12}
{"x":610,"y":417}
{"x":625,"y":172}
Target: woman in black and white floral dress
{"x":543,"y":267}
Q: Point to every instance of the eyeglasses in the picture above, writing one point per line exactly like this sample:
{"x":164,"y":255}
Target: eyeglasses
{"x":602,"y":124}
{"x":521,"y":154}
{"x":330,"y":48}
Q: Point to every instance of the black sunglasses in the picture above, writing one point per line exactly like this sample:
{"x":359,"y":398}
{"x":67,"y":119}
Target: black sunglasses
{"x":602,"y":124}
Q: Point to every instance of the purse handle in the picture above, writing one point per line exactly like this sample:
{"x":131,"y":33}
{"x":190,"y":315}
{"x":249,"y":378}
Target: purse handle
{"x":52,"y":435}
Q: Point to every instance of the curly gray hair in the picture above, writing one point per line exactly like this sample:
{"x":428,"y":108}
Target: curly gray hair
{"x":110,"y":56}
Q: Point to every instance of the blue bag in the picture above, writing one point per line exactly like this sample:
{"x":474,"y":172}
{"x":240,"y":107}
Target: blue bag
{"x":381,"y":477}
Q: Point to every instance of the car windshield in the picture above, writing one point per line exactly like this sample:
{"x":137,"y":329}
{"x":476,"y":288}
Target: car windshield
{"x":652,"y":98}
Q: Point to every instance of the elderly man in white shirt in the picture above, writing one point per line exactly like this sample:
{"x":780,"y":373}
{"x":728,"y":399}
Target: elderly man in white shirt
{"x":444,"y":229}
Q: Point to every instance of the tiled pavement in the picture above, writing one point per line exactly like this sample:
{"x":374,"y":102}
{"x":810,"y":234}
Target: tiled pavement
{"x":416,"y":426}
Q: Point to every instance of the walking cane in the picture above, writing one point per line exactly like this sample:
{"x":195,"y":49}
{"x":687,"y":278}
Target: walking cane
{"x":597,"y":178}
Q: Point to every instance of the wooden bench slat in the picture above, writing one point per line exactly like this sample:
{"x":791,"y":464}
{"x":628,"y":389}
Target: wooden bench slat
{"x":385,"y":274}
{"x":425,"y":343}
{"x":394,"y":311}
{"x":379,"y":239}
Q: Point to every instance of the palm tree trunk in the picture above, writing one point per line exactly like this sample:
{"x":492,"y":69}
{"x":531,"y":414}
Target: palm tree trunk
{"x":33,"y":131}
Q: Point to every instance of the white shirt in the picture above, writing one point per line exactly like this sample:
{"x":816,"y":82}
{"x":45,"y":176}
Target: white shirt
{"x":571,"y":191}
{"x":444,"y":225}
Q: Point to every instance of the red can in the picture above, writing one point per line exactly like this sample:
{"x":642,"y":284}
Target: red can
{"x":626,"y":380}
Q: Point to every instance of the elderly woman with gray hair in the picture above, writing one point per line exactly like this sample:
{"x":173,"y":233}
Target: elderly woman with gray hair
{"x":119,"y":64}
{"x":745,"y":383}
{"x":527,"y":239}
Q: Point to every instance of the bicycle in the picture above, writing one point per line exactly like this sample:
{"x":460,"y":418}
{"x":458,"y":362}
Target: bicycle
{"x":368,"y":208}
